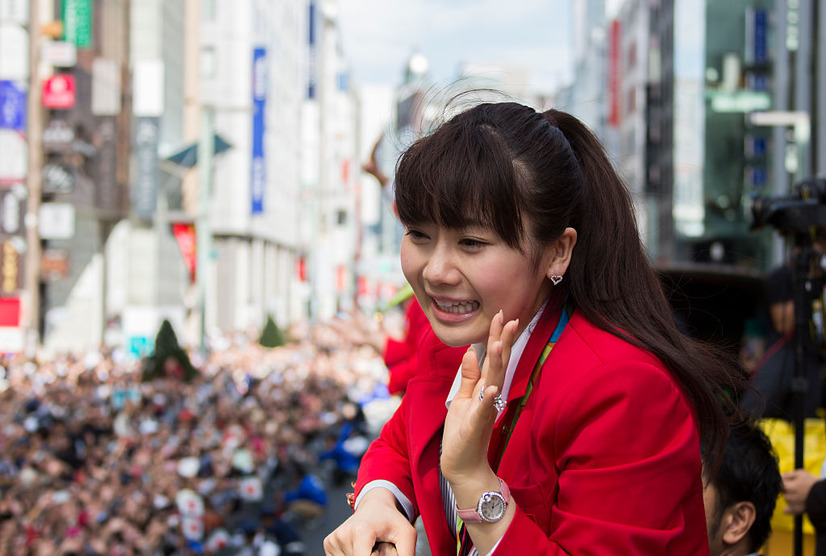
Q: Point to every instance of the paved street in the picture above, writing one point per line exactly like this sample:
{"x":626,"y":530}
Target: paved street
{"x":337,"y":511}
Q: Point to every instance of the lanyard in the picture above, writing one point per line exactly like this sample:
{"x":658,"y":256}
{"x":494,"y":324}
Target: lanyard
{"x":564,"y":317}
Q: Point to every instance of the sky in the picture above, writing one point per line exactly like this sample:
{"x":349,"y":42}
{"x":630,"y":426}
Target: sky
{"x":380,"y":35}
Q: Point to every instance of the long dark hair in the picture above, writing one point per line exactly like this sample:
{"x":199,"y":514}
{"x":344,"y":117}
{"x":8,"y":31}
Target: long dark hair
{"x":503,"y":165}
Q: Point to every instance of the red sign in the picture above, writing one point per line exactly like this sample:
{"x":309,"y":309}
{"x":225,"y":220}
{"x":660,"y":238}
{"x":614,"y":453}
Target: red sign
{"x":302,"y":269}
{"x":10,"y":311}
{"x":614,"y":89}
{"x":59,"y":92}
{"x":184,"y":232}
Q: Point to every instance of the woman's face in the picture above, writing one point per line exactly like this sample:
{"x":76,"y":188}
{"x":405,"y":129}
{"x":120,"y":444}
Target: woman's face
{"x":462,"y":278}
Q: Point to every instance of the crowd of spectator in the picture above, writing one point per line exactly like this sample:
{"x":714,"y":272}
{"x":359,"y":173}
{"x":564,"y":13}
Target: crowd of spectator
{"x":95,"y":461}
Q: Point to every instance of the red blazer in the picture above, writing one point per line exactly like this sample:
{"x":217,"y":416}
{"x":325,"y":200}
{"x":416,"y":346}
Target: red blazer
{"x":605,"y":458}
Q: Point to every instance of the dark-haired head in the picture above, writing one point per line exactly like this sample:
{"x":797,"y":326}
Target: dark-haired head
{"x":747,"y":474}
{"x":528,"y":176}
{"x":498,"y":166}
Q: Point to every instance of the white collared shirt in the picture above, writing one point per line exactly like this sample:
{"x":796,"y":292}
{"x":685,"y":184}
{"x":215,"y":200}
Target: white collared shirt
{"x":513,"y":362}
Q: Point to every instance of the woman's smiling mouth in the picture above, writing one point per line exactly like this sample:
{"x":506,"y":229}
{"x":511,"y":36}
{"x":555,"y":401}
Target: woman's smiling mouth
{"x":456,"y":307}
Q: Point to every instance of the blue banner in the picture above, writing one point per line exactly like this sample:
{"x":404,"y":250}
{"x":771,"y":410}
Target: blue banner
{"x":311,"y":42}
{"x":761,"y":36}
{"x":12,"y":106}
{"x":258,"y":171}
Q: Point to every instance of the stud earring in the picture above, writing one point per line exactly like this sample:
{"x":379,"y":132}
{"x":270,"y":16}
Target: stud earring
{"x":556,"y":279}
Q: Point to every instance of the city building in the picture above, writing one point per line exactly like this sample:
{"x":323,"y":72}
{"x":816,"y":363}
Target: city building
{"x":692,"y":76}
{"x":329,"y":241}
{"x":202,"y":170}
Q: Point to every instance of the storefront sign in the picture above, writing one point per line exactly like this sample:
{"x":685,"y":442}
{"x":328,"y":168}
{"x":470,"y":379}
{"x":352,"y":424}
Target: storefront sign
{"x":54,"y":264}
{"x":58,"y":136}
{"x":12,"y":106}
{"x":59,"y":92}
{"x":56,"y":221}
{"x":58,"y":178}
{"x":11,"y":268}
{"x":61,"y":54}
{"x":77,"y":22}
{"x":12,"y":208}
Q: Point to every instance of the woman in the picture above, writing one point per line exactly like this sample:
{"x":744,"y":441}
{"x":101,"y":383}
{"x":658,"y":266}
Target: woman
{"x":580,"y":433}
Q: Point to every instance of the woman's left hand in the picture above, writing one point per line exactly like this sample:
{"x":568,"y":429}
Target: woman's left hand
{"x":469,"y":421}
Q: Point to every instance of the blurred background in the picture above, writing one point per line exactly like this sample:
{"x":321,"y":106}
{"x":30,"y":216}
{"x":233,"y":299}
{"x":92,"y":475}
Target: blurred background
{"x":200,"y":163}
{"x":200,"y":160}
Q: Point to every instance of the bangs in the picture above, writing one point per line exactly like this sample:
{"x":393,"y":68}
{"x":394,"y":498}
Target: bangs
{"x":461,"y":176}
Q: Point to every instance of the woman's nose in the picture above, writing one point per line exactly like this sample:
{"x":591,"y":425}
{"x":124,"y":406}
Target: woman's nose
{"x":441,"y":267}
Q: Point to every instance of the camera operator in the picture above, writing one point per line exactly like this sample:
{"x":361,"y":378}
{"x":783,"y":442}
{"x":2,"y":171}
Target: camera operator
{"x":771,"y":396}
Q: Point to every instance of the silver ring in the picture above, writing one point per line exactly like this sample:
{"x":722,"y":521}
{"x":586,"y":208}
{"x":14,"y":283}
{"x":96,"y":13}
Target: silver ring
{"x":482,"y":393}
{"x":499,"y":404}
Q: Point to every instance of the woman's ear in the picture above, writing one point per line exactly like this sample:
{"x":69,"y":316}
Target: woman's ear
{"x":559,"y":254}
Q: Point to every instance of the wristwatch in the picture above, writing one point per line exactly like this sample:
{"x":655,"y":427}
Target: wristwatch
{"x":490,"y":508}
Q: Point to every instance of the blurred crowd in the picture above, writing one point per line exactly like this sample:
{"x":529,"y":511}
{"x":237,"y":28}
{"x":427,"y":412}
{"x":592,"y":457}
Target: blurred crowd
{"x":95,"y":461}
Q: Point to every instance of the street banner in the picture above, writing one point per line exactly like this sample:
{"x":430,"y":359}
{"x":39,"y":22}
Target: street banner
{"x":12,"y":106}
{"x":312,"y":39}
{"x":258,"y":171}
{"x":77,"y":22}
{"x":184,"y":233}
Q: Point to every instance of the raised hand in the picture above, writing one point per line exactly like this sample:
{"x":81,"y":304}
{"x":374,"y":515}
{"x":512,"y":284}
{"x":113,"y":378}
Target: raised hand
{"x":473,"y":411}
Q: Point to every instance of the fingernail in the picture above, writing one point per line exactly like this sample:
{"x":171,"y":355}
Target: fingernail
{"x":501,"y":316}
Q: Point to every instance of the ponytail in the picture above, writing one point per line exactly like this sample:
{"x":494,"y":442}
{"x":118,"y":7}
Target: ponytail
{"x":611,"y":280}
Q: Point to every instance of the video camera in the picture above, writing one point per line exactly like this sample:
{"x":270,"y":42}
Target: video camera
{"x":803,"y":211}
{"x":802,"y":217}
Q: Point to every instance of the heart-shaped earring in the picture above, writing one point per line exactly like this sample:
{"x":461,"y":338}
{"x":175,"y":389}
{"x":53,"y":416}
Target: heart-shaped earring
{"x":556,"y":279}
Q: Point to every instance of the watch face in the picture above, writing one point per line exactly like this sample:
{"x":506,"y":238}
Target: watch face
{"x":492,"y":506}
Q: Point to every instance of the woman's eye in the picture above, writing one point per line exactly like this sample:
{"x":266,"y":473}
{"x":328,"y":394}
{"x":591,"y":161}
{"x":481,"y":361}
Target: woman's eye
{"x":416,"y":235}
{"x":472,"y":243}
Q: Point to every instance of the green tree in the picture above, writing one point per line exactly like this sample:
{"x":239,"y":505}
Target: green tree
{"x":272,"y":336}
{"x":169,"y":359}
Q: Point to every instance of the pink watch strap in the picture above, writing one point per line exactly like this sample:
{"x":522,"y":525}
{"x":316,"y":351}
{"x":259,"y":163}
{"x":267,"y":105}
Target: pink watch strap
{"x":472,"y":515}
